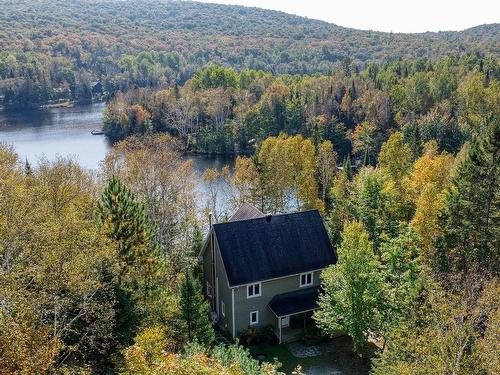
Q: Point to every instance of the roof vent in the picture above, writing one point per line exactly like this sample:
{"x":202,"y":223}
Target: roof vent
{"x":269,"y":217}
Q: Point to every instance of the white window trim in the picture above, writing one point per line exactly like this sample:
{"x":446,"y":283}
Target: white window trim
{"x":209,"y":290}
{"x":306,"y":284}
{"x":257,"y":315}
{"x":272,"y":279}
{"x":253,"y":285}
{"x":223,"y":308}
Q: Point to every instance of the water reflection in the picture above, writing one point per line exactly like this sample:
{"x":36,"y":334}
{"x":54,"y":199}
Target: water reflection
{"x":56,"y":131}
{"x":66,"y":132}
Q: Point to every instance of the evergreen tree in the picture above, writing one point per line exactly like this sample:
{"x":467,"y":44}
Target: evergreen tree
{"x":194,"y":312}
{"x":363,"y":141}
{"x":376,"y":206}
{"x":342,"y":209}
{"x":197,"y":241}
{"x":404,"y":276}
{"x":347,"y":167}
{"x":471,"y":224}
{"x":126,"y":222}
{"x":27,"y":168}
{"x":412,"y":137}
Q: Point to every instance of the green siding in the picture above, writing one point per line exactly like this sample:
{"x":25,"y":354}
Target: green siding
{"x":243,"y":305}
{"x":225,"y":294}
{"x":207,"y":272}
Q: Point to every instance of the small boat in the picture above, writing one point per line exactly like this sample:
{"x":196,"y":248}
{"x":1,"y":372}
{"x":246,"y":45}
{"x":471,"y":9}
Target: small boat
{"x":97,"y":132}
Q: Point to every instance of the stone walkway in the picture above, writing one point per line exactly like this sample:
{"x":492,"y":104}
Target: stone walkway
{"x":302,"y":351}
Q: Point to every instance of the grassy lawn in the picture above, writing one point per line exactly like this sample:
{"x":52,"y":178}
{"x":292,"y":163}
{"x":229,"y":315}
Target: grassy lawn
{"x":341,"y":361}
{"x":280,"y":352}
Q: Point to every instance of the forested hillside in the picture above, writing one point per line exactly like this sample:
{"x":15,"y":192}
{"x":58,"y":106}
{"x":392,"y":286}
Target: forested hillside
{"x":393,"y":138}
{"x":100,"y":275}
{"x":223,"y":111}
{"x":53,"y":50}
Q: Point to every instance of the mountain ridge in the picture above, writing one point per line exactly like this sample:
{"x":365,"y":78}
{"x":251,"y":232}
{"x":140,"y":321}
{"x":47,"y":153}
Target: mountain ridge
{"x":192,"y":28}
{"x":55,"y":50}
{"x":495,"y":24}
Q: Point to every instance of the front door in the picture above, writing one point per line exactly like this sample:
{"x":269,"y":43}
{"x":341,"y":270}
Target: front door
{"x":285,"y":321}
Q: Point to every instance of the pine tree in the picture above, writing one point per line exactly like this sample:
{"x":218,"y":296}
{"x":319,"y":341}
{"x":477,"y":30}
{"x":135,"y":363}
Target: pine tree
{"x":27,"y":168}
{"x":195,"y":312}
{"x":126,"y":222}
{"x":342,"y":209}
{"x":471,"y":224}
{"x":347,"y":167}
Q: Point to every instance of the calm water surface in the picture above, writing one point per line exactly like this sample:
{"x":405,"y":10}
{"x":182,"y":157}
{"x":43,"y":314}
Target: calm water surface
{"x":47,"y":133}
{"x":37,"y":134}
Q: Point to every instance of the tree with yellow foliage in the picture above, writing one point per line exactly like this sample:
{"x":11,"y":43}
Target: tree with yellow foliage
{"x":152,"y":167}
{"x":56,"y":291}
{"x":246,"y":184}
{"x":152,"y":354}
{"x":327,"y":165}
{"x":395,"y":161}
{"x":288,"y":167}
{"x":431,"y":176}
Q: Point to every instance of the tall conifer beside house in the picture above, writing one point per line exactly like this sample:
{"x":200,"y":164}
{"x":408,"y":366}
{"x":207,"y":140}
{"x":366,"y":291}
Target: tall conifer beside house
{"x":126,"y":223}
{"x":195,"y":312}
{"x":471,"y":222}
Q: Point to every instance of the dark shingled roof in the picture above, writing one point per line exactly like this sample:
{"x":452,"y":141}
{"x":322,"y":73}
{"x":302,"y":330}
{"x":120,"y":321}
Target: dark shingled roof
{"x":295,"y":302}
{"x":273,"y":246}
{"x":246,"y":211}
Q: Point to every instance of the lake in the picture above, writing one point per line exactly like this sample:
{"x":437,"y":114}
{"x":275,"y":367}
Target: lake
{"x":66,"y":132}
{"x":56,"y":131}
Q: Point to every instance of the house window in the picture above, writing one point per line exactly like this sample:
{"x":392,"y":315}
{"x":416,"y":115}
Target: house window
{"x":306,"y":279}
{"x":223,"y":308}
{"x":209,"y":289}
{"x":254,"y":317}
{"x":253,"y":290}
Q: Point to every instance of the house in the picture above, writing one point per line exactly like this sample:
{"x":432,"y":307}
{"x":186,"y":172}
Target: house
{"x":97,"y":88}
{"x":262,"y":270}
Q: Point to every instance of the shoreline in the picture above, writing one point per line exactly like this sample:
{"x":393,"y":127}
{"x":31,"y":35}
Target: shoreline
{"x":37,"y":107}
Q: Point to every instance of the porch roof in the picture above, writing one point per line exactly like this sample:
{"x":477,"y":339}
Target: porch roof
{"x":295,"y":302}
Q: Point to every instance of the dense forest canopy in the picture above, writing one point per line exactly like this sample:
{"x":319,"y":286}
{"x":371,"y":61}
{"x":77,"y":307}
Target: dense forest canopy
{"x":100,"y":275}
{"x":224,"y":111}
{"x":54,"y":49}
{"x":394,"y":138}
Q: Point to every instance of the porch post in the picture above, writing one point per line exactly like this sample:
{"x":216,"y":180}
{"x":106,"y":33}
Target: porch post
{"x":279,"y":324}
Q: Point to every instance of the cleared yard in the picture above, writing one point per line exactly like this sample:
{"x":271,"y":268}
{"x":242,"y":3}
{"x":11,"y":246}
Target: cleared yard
{"x":341,"y":360}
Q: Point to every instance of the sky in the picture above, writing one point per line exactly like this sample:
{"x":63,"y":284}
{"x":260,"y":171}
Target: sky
{"x":388,"y":15}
